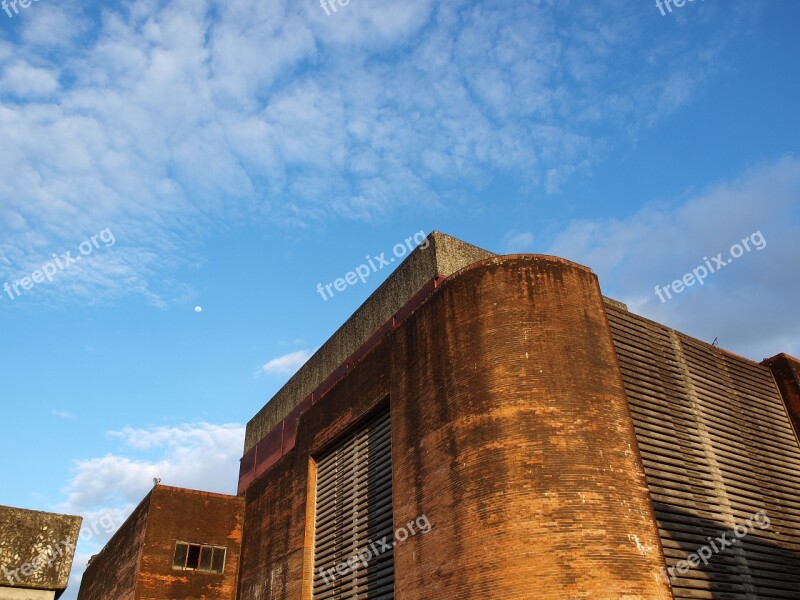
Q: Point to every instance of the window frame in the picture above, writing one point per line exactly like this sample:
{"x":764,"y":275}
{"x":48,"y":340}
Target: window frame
{"x":214,"y":548}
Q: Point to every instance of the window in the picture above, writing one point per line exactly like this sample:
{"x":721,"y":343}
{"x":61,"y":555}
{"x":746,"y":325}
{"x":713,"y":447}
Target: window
{"x":199,"y":557}
{"x":353,"y":512}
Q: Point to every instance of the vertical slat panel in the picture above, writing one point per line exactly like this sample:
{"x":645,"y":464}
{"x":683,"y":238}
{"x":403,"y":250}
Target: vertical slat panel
{"x":353,"y":512}
{"x":717,"y":447}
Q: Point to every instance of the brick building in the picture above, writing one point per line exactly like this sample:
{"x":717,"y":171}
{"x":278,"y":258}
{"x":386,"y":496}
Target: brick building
{"x":36,"y":552}
{"x":559,"y":446}
{"x":177,"y":543}
{"x":492,"y":427}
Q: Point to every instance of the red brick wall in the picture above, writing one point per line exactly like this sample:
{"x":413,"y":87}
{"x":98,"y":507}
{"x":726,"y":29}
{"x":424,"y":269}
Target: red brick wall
{"x":511,"y":434}
{"x":786,"y":371}
{"x":136,"y":564}
{"x":196,"y":517}
{"x":112,"y":573}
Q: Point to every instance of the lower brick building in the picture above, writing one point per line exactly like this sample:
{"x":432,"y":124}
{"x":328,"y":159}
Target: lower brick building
{"x":558,"y":445}
{"x":177,"y":544}
{"x":493,"y":427}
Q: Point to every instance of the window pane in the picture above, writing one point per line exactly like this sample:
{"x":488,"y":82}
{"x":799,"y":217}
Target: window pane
{"x":194,"y":557}
{"x":181,"y":550}
{"x":219,"y":560}
{"x":205,"y":558}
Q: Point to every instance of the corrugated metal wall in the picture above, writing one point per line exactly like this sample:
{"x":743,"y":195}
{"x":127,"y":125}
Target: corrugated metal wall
{"x":718,"y":447}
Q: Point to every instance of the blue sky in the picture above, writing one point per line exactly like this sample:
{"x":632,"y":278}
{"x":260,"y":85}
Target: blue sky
{"x":239,"y":153}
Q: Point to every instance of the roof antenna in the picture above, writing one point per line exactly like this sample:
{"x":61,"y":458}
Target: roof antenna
{"x":715,"y":343}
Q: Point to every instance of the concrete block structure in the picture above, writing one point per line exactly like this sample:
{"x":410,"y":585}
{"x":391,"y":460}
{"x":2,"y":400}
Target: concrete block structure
{"x":36,"y":552}
{"x":177,"y":543}
{"x":492,"y":426}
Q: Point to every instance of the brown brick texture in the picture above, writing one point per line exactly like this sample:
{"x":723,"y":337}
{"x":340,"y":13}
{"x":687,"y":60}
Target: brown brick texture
{"x":786,"y":371}
{"x":195,"y":517}
{"x":112,"y":573}
{"x":136,"y":564}
{"x":511,"y":433}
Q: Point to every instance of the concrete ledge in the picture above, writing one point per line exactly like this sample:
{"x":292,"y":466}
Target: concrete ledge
{"x":440,"y":254}
{"x":7,"y":593}
{"x":36,"y":549}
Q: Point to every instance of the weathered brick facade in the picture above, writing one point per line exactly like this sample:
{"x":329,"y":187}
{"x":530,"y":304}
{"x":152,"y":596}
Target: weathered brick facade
{"x":786,"y":371}
{"x":559,"y":446}
{"x":510,"y":432}
{"x":136,"y":563}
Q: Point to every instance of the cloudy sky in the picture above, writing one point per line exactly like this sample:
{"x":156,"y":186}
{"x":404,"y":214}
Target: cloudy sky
{"x":209,"y":163}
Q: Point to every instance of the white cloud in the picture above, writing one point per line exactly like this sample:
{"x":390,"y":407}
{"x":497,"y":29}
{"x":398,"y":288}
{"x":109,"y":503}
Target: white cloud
{"x":56,"y":26}
{"x":106,"y":489}
{"x":22,"y":79}
{"x":62,"y":414}
{"x":162,"y":119}
{"x":286,"y":364}
{"x":199,"y":455}
{"x":749,"y":304}
{"x":516,"y":242}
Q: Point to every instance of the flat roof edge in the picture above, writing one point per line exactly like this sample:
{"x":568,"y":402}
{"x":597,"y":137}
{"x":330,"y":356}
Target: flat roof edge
{"x":438,"y":255}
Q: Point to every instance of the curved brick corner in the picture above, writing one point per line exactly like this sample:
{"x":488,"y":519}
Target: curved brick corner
{"x":511,"y":433}
{"x":514,"y":437}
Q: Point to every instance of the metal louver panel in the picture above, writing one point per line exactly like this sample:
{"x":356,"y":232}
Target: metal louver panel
{"x":353,"y":513}
{"x":717,"y":446}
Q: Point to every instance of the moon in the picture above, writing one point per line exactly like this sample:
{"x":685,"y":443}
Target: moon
{"x":198,"y":309}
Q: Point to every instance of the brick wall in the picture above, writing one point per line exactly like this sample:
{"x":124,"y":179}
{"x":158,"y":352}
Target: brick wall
{"x":112,"y":573}
{"x":195,"y":517}
{"x":136,"y":564}
{"x":511,"y":434}
{"x":786,"y":371}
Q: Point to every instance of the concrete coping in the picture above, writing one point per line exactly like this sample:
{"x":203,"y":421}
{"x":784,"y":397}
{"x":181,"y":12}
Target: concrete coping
{"x":438,"y":255}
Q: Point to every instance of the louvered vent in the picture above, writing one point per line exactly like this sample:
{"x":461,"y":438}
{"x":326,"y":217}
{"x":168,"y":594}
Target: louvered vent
{"x":717,"y":447}
{"x":354,"y":512}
